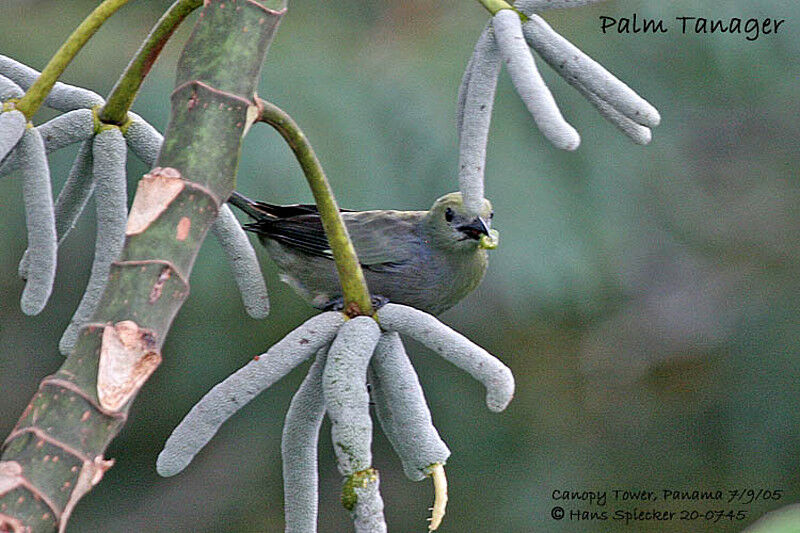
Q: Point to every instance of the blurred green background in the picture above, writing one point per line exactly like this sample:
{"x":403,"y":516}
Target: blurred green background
{"x":646,"y":298}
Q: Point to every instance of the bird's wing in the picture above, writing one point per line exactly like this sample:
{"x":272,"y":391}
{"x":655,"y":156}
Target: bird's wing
{"x":303,"y":233}
{"x":289,"y":211}
{"x":382,"y":239}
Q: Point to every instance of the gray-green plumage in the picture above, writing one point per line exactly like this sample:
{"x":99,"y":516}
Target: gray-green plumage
{"x":425,"y":259}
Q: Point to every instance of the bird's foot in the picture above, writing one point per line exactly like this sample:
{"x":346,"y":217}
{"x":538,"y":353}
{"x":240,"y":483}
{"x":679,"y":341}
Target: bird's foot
{"x":337,"y":304}
{"x":379,"y":301}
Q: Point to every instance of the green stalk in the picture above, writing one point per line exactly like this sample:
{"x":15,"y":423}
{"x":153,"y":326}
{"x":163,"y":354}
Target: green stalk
{"x":354,"y":287}
{"x":121,"y":98}
{"x":37,"y":92}
{"x":493,"y":6}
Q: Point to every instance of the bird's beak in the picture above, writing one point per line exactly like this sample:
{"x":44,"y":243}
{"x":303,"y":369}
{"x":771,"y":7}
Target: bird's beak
{"x":475,"y":229}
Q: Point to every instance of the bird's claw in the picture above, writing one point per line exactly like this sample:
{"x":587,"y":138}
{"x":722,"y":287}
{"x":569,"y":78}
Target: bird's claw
{"x":337,"y":304}
{"x":378,"y":302}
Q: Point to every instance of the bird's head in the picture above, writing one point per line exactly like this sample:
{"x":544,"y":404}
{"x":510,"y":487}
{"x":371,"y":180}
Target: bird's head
{"x":451,"y":227}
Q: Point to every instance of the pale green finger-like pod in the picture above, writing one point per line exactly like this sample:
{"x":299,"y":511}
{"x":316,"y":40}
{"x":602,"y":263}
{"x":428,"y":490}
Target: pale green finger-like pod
{"x":111,"y":203}
{"x":9,"y":89}
{"x":22,"y":75}
{"x":529,"y":83}
{"x":76,"y":190}
{"x":344,"y":384}
{"x":299,"y":451}
{"x":143,"y":139}
{"x":454,"y":347}
{"x":529,"y":6}
{"x":69,"y":128}
{"x":40,"y":219}
{"x":62,"y":97}
{"x":368,"y":510}
{"x":65,"y":97}
{"x":243,"y":261}
{"x":71,"y":200}
{"x":474,"y":116}
{"x":635,"y":131}
{"x":462,"y":92}
{"x":402,"y":410}
{"x":577,"y":67}
{"x":12,"y":127}
{"x":226,"y":398}
{"x":63,"y":130}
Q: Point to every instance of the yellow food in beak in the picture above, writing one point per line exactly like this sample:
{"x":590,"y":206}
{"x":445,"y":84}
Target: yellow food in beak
{"x":491,"y":241}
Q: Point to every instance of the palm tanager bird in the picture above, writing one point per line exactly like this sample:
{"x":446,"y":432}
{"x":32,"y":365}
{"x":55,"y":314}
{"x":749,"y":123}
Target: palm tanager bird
{"x":425,"y":259}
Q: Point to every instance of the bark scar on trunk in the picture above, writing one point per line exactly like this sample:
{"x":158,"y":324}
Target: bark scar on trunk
{"x":128,"y":356}
{"x":156,"y":191}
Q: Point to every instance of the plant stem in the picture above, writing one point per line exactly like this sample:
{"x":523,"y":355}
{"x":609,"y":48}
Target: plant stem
{"x":121,"y":98}
{"x":354,"y":287}
{"x":37,"y":92}
{"x":493,"y":6}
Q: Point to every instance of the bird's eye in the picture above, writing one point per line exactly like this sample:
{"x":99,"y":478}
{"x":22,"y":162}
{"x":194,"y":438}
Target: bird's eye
{"x":491,"y":215}
{"x":448,"y":215}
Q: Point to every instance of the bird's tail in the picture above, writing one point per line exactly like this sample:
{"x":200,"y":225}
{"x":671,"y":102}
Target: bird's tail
{"x":246,"y":205}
